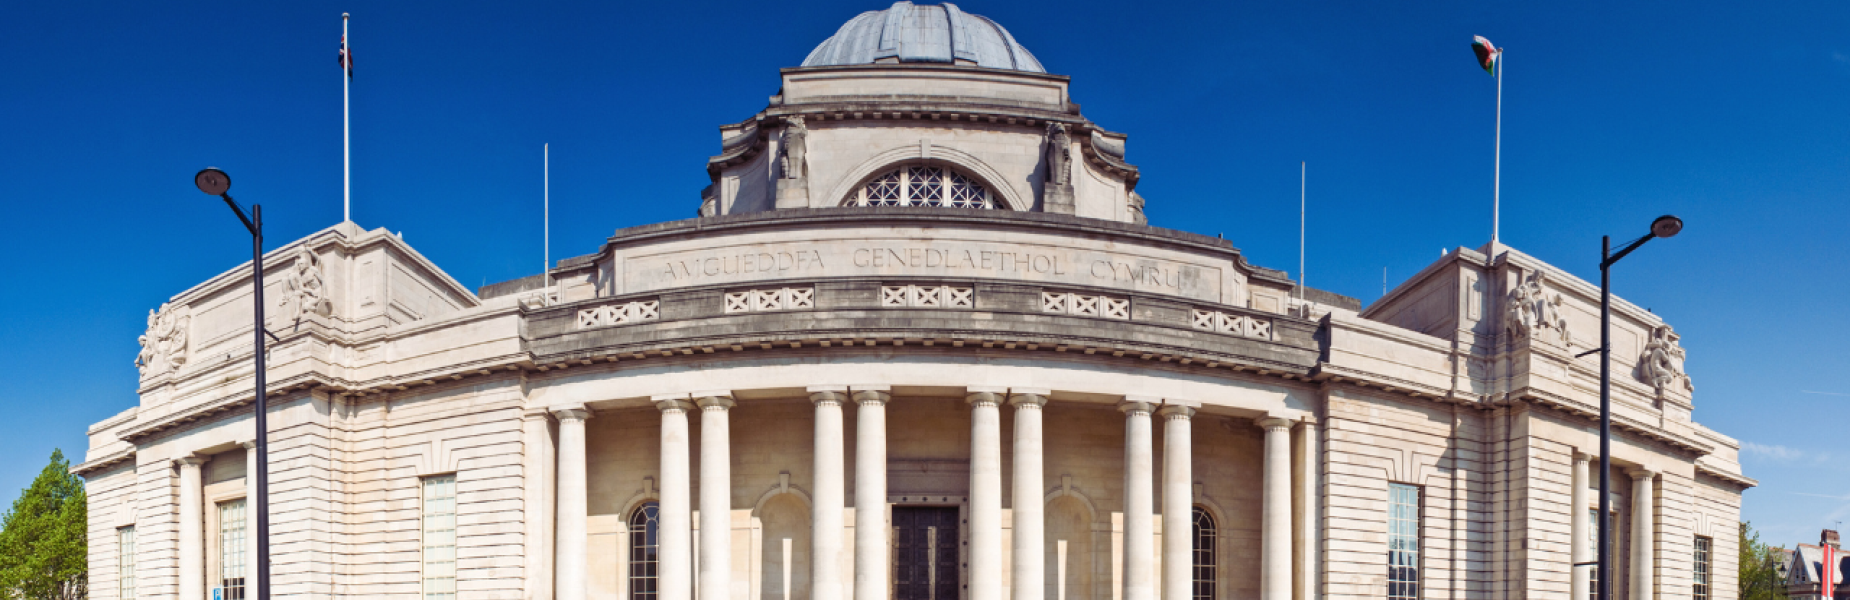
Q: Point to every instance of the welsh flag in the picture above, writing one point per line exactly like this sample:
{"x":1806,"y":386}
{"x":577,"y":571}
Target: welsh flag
{"x":1488,"y":54}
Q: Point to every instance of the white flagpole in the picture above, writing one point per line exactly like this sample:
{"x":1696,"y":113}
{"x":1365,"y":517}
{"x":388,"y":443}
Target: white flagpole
{"x":346,"y":129}
{"x":1301,"y":283}
{"x":546,"y":211}
{"x":1496,"y":194}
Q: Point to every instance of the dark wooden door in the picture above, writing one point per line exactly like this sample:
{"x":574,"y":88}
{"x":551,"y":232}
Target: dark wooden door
{"x":925,"y":542}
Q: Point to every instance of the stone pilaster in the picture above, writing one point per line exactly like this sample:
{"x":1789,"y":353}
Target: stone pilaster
{"x":192,"y":551}
{"x":1580,"y":547}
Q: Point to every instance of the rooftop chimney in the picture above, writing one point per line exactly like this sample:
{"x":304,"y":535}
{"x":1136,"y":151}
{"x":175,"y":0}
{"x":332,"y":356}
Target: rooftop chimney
{"x":1829,"y":538}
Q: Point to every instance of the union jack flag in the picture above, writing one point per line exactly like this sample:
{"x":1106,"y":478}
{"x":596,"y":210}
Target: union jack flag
{"x":346,"y":57}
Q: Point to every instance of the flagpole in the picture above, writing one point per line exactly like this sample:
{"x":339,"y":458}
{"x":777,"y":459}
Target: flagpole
{"x":346,"y":130}
{"x":546,"y":212}
{"x":1496,"y":193}
{"x":1301,"y":283}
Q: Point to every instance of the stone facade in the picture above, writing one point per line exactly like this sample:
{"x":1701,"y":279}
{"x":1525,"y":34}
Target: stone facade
{"x":915,"y":291}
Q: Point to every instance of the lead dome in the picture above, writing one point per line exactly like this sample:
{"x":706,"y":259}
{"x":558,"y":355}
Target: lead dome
{"x":907,"y":33}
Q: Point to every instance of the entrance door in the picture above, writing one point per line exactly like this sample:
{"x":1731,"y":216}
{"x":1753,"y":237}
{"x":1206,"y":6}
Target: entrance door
{"x":925,"y":544}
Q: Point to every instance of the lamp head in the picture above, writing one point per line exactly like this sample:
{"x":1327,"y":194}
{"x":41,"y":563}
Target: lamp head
{"x":212,"y":181}
{"x":1666,"y":226}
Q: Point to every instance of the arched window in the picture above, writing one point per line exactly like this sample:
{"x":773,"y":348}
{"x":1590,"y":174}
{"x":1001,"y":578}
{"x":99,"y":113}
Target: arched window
{"x":644,"y":525}
{"x":1204,"y":554}
{"x":922,"y":185}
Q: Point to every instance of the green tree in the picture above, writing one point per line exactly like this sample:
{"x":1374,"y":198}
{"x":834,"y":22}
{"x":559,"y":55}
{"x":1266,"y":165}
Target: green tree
{"x":1759,"y":567}
{"x":42,"y":549}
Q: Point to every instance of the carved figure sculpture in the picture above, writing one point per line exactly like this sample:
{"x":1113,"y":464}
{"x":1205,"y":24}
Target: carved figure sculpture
{"x":1136,"y":206}
{"x":1662,"y":363}
{"x":306,"y":291}
{"x":795,"y":147}
{"x":1058,"y":145}
{"x":1530,"y":311}
{"x":163,"y":347}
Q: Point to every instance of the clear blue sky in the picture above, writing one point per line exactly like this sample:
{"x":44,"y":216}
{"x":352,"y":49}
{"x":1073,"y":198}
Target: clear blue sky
{"x":1735,"y":116}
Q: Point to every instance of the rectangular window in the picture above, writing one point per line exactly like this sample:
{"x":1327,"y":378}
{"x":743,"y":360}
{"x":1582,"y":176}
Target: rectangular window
{"x":125,"y":563}
{"x":231,"y":549}
{"x":1593,"y":542}
{"x":1403,"y":542}
{"x":1704,"y":546}
{"x":440,"y":537}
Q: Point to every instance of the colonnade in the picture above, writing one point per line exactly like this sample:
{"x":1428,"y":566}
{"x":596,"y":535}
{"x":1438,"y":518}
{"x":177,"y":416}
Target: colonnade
{"x":872,"y":546}
{"x":1641,"y":585}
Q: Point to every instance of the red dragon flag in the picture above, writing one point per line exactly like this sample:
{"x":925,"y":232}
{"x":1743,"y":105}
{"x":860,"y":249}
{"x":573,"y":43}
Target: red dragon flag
{"x":346,"y":56}
{"x":1488,"y":55}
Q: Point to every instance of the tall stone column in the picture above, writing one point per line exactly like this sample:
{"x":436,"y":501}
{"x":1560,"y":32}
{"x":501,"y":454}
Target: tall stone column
{"x":1275,"y":516}
{"x":1644,"y":528}
{"x":826,"y":512}
{"x":985,"y":492}
{"x":1578,"y":517}
{"x":192,"y":529}
{"x":570,"y":577}
{"x":715,"y":495}
{"x":1139,"y":499}
{"x":1178,"y":502}
{"x":871,"y":533}
{"x":250,"y":516}
{"x":674,"y":567}
{"x":1029,"y":552}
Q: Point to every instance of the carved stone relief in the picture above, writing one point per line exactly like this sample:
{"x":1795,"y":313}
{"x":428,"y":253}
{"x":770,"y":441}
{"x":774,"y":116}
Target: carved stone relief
{"x":1531,"y":312}
{"x":1661,"y":365}
{"x":305,"y":291}
{"x":1059,"y":169}
{"x":1136,"y":206}
{"x":164,"y":346}
{"x":794,"y":148}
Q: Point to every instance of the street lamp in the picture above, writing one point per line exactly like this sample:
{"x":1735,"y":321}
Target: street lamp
{"x":215,"y":182}
{"x":1664,"y":227}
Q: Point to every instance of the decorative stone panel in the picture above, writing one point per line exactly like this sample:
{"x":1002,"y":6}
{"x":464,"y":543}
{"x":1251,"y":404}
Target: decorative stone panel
{"x":1086,"y":305}
{"x":768,"y":300}
{"x":928,"y":296}
{"x":1240,"y":325}
{"x":619,"y":314}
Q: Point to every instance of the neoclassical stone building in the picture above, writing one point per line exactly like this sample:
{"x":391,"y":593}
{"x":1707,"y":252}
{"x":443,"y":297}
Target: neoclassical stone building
{"x":919,"y":343}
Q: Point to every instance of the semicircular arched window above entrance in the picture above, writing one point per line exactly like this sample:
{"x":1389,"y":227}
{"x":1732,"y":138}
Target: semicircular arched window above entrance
{"x":922,"y":185}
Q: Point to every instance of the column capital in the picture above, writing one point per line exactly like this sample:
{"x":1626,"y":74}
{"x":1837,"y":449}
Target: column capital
{"x":672,"y":402}
{"x":535,"y":413}
{"x":721,"y":400}
{"x":1641,"y":472}
{"x":575,"y":412}
{"x":190,"y":460}
{"x":1028,"y":397}
{"x":1270,"y":423}
{"x":872,"y":395}
{"x":250,"y":445}
{"x":985,"y":396}
{"x":1139,"y":404}
{"x":828,"y":395}
{"x":1582,"y":456}
{"x":1176,"y":411}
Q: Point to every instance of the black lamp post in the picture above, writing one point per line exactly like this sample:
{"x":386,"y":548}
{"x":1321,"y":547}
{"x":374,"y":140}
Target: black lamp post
{"x":215,"y":182}
{"x":1665,"y":226}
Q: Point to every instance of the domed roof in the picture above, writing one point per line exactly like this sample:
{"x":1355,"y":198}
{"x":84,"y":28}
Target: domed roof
{"x":907,"y":32}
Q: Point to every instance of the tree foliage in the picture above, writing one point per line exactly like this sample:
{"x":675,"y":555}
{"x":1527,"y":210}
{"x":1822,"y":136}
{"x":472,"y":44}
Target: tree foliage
{"x":42,"y":540}
{"x":1759,"y":577}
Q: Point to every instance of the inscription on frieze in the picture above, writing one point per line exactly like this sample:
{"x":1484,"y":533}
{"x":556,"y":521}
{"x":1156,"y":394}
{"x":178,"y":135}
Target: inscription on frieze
{"x":961,"y":260}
